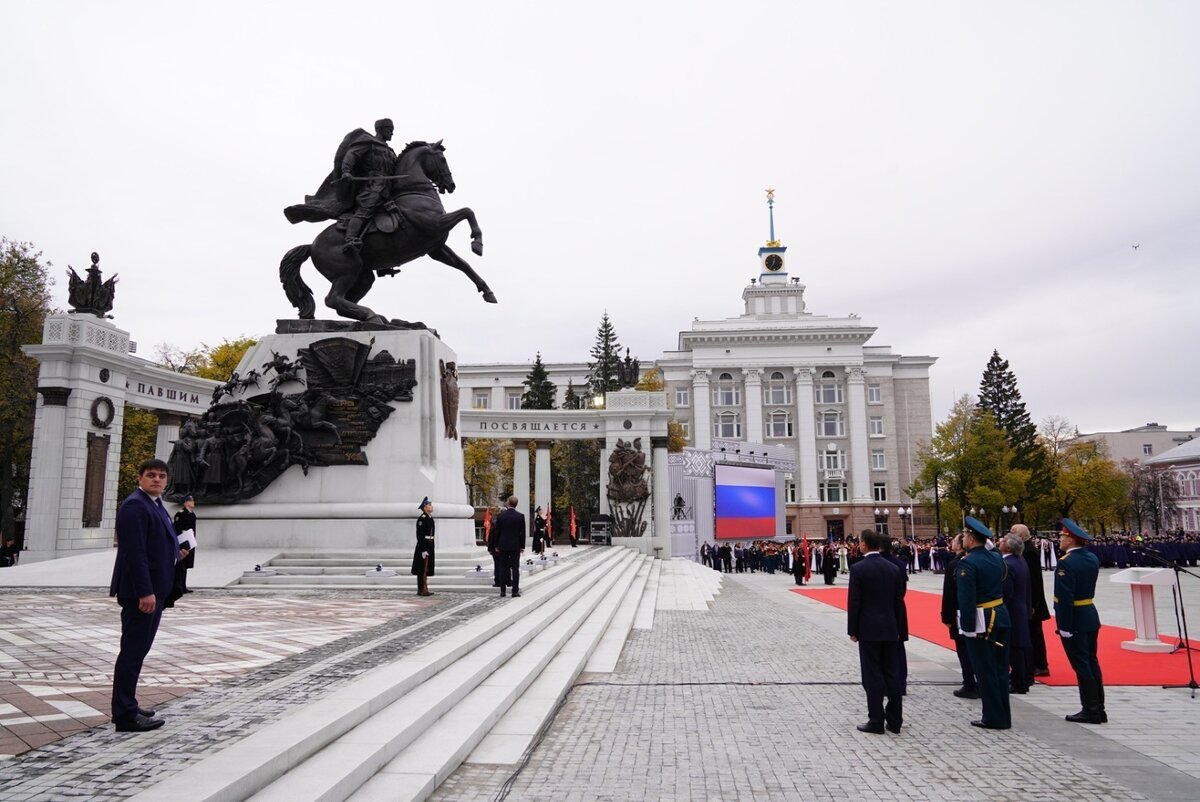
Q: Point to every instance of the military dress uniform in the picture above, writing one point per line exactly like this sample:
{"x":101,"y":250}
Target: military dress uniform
{"x":1078,"y":623}
{"x":984,"y":623}
{"x":422,"y":564}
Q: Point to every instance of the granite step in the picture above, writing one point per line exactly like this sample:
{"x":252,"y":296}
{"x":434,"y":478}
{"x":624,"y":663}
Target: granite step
{"x":254,"y":762}
{"x":608,"y":651}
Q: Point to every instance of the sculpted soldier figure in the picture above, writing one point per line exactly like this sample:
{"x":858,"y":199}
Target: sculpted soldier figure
{"x":364,"y":169}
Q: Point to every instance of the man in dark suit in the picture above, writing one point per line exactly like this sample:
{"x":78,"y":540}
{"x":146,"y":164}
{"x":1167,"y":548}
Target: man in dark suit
{"x":969,"y":689}
{"x":1078,"y":621}
{"x":887,"y":550}
{"x":143,"y":576}
{"x":508,"y":541}
{"x":1019,"y":603}
{"x":873,"y":622}
{"x":1040,"y":610}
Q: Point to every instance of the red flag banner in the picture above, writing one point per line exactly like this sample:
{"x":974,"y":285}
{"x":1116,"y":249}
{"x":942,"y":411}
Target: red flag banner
{"x":487,"y":525}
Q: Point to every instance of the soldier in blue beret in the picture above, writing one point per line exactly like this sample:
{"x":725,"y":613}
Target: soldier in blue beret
{"x":984,"y":623}
{"x":1077,"y":620}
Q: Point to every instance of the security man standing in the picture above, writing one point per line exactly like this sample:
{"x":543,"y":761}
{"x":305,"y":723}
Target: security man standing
{"x":1078,"y":621}
{"x":984,"y":623}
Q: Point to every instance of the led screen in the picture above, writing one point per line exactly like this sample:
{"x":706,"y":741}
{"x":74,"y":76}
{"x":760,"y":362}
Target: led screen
{"x":745,"y":502}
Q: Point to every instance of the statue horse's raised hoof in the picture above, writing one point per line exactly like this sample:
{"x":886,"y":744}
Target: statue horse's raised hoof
{"x":477,"y":247}
{"x":490,"y":297}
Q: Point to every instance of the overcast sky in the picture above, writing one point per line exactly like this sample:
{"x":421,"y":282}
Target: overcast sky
{"x":965,"y":176}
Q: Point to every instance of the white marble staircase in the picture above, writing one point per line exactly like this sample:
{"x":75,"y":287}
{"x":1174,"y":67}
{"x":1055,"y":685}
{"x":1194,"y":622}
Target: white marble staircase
{"x":478,"y":694}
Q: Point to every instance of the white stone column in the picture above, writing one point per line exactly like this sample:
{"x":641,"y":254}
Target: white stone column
{"x":46,"y":473}
{"x":168,"y":432}
{"x":604,"y":508}
{"x":542,"y":491}
{"x":806,"y":451}
{"x":521,"y":476}
{"x":860,"y":473}
{"x":702,"y":409}
{"x":754,"y":406}
{"x":660,"y":497}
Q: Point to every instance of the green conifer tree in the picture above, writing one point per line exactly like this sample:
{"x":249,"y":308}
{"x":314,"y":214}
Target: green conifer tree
{"x":540,"y":391}
{"x":604,"y":371}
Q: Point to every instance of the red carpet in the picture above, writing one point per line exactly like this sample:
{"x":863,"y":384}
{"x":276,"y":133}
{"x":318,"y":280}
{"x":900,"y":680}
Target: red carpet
{"x":1121,"y":667}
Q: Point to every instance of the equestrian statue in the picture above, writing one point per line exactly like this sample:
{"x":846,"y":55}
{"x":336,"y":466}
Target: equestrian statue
{"x":387,"y":212}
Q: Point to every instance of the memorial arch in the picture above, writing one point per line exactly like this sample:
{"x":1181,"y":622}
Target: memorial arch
{"x":627,"y":415}
{"x":87,"y":376}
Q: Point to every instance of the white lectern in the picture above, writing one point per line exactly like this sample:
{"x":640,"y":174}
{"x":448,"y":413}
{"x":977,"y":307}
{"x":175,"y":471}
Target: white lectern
{"x":1142,"y":581}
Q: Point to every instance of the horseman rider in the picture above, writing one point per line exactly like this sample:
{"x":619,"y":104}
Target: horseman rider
{"x":360,"y":156}
{"x":369,"y":157}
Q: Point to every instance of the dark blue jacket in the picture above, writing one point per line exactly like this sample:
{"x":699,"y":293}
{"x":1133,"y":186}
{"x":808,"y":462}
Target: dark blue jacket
{"x":1018,"y":600}
{"x":508,"y":531}
{"x":876,"y":606}
{"x":146,"y":550}
{"x":1075,"y":582}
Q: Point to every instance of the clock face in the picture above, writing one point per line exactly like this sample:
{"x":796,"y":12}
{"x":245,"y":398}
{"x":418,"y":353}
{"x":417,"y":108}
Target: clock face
{"x":774,"y":262}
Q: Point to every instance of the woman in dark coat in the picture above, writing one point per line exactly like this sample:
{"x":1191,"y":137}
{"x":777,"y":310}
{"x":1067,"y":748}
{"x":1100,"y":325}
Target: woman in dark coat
{"x":422,"y":564}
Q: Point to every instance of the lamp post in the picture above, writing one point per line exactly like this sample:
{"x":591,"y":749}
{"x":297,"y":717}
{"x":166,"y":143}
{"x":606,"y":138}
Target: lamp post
{"x":1007,"y":510}
{"x":904,"y":514}
{"x":980,"y":513}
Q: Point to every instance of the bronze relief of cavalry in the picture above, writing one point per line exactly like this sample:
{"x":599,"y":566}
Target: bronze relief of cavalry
{"x":387,"y":211}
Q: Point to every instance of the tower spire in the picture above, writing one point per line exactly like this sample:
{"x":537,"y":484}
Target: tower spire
{"x":772,"y":242}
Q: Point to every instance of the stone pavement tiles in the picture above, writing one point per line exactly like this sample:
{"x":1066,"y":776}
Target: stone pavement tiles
{"x":758,"y":698}
{"x":230,"y":661}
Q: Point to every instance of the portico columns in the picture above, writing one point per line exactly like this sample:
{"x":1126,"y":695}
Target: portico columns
{"x":46,"y":471}
{"x":806,"y":453}
{"x":661,"y":497}
{"x":521,"y":475}
{"x":701,"y":404}
{"x":754,"y":406}
{"x":604,"y":508}
{"x":542,"y":491}
{"x":860,"y":476}
{"x":168,"y":432}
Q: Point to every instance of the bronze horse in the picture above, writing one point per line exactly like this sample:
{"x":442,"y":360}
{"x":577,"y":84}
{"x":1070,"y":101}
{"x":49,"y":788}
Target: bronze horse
{"x":423,"y":231}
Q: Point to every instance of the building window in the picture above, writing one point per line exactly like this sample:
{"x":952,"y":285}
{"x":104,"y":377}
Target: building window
{"x":686,"y":428}
{"x":831,"y":423}
{"x":832,"y":460}
{"x":829,"y":389}
{"x":727,"y":425}
{"x":875,"y":426}
{"x":879,"y":491}
{"x":683,"y":397}
{"x":833,"y":492}
{"x":779,"y":390}
{"x":874,"y":394}
{"x":881,"y":527}
{"x":514,"y":399}
{"x":878,"y":460}
{"x":481,"y":399}
{"x":726,"y":393}
{"x":789,"y":491}
{"x":779,"y":424}
{"x":1147,"y":449}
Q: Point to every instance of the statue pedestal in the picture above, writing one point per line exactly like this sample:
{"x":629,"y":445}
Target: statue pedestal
{"x":371,"y":506}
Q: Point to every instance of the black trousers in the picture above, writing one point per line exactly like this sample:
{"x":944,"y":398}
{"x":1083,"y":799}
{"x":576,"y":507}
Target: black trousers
{"x":509,"y":571}
{"x":964,"y":662}
{"x":137,"y":636}
{"x":1037,"y":634}
{"x":495,"y":569}
{"x":881,"y":678}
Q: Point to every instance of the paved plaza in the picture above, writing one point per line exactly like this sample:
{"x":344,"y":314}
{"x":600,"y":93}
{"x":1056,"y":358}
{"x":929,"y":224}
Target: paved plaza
{"x":755,"y":697}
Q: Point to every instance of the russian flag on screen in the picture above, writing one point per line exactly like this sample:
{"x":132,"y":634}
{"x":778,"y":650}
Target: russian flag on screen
{"x":745,"y":502}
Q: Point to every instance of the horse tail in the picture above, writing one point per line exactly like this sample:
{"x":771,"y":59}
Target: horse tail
{"x":299,"y":293}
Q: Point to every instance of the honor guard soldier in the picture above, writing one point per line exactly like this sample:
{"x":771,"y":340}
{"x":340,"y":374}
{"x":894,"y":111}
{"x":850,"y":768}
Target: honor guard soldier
{"x":1077,"y":620}
{"x":422,"y":565}
{"x":984,"y":622}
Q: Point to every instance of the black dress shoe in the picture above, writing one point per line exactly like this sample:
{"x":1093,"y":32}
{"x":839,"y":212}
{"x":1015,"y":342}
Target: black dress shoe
{"x":516,"y":595}
{"x":139,"y":724}
{"x":1041,"y":672}
{"x":967,"y":693}
{"x":503,"y":593}
{"x":144,"y":713}
{"x":893,"y":729}
{"x":874,"y":729}
{"x":979,"y":723}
